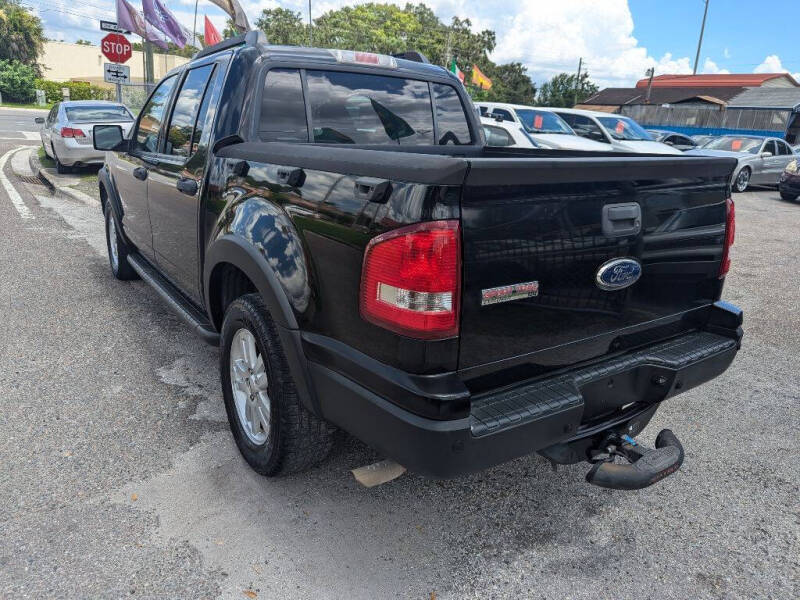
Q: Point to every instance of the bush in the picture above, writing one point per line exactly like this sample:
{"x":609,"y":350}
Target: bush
{"x":17,"y":81}
{"x":78,"y":90}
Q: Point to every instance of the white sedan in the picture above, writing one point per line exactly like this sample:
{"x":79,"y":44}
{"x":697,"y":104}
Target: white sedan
{"x":547,"y":131}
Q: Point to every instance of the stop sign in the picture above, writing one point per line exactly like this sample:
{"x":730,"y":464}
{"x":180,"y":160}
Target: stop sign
{"x":116,"y":47}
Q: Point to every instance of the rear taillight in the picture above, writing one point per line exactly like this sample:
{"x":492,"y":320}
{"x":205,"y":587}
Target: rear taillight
{"x":411,"y":280}
{"x":71,"y":132}
{"x":730,"y":233}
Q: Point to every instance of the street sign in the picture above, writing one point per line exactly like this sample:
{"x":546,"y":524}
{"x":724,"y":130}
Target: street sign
{"x":112,"y":26}
{"x":116,"y":47}
{"x":114,"y":73}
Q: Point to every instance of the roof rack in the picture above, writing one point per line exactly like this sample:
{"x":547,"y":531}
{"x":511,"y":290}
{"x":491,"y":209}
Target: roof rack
{"x":412,"y":55}
{"x":251,"y":38}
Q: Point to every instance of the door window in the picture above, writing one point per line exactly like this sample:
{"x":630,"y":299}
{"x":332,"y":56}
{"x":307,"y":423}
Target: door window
{"x":182,"y":135}
{"x":783,"y":149}
{"x":146,"y":138}
{"x":450,"y":119}
{"x":283,"y":111}
{"x":584,"y":126}
{"x":770,"y":147}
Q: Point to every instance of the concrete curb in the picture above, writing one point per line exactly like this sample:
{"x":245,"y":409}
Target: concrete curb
{"x":48,"y":180}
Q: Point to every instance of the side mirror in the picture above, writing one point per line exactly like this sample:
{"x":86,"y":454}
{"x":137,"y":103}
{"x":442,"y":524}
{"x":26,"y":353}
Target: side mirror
{"x":109,"y":138}
{"x":766,"y":154}
{"x":39,"y":120}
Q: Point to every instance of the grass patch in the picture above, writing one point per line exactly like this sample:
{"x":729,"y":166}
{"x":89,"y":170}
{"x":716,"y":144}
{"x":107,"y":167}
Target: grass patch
{"x":45,"y":160}
{"x":36,"y":106}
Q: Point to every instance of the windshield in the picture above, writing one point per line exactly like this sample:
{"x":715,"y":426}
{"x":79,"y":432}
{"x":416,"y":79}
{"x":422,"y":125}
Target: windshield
{"x":97,"y":114}
{"x":732,"y":143}
{"x":623,"y":128}
{"x":541,"y":121}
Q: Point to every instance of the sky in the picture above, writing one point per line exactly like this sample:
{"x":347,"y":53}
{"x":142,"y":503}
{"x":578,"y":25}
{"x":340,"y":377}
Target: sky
{"x":618,"y":40}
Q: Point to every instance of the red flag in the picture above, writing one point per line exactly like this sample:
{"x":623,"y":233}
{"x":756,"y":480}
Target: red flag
{"x":212,"y":36}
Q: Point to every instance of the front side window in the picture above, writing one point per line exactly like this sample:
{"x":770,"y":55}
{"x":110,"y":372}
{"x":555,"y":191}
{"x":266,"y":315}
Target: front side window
{"x":283,"y":110}
{"x":356,"y":108}
{"x":146,"y":139}
{"x":450,"y":118}
{"x":180,"y":133}
{"x":770,"y":147}
{"x":584,"y":127}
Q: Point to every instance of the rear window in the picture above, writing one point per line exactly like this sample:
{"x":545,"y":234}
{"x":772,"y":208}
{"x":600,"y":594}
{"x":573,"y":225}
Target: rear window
{"x":450,"y":120}
{"x":97,"y":114}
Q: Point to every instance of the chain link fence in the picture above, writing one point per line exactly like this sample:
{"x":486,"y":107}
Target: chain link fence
{"x":134,"y":95}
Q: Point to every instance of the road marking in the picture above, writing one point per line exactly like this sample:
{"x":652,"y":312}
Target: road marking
{"x":13,"y":194}
{"x":15,"y":135}
{"x":30,"y":135}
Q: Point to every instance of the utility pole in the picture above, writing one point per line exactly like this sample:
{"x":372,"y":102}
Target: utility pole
{"x":650,"y":72}
{"x":578,"y":81}
{"x":310,"y":32}
{"x":149,"y":71}
{"x":194,"y":25}
{"x":700,"y":41}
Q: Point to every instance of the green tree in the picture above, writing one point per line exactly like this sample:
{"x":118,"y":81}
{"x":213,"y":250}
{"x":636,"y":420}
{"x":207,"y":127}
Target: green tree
{"x":510,"y":83}
{"x":564,"y":90}
{"x":17,"y":81}
{"x":84,"y":43}
{"x":21,"y":34}
{"x":283,"y":27}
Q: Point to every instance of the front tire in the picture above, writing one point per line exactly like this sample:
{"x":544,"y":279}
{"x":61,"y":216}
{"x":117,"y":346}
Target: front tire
{"x":742,"y":180}
{"x":117,"y":249}
{"x":274,"y":432}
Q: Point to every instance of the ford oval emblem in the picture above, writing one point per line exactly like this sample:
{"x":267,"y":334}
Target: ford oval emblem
{"x":618,"y":273}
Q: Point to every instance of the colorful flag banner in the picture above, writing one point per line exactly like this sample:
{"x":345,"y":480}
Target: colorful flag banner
{"x":479,"y":79}
{"x":456,"y":71}
{"x":131,"y":19}
{"x":234,"y":10}
{"x":160,"y":17}
{"x":212,"y":36}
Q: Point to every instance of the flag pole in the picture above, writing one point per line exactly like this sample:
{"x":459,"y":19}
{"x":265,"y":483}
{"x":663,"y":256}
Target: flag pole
{"x":194,"y":25}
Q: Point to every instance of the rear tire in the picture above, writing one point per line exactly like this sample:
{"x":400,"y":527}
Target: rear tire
{"x":788,"y":196}
{"x":61,"y":168}
{"x":275,"y":433}
{"x":742,"y":180}
{"x":117,"y":250}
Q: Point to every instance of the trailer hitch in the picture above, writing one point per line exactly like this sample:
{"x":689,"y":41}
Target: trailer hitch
{"x":645,"y":466}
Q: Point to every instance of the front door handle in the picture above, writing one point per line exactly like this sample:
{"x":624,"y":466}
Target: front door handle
{"x":187,"y":185}
{"x":140,"y":173}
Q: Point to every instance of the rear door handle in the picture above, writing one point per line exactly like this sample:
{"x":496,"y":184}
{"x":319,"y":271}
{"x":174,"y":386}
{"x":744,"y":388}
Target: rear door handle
{"x":292,"y":177}
{"x":140,"y":173}
{"x":372,"y":190}
{"x":187,"y":185}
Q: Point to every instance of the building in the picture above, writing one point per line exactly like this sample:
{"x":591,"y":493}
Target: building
{"x":754,"y":103}
{"x":75,"y":62}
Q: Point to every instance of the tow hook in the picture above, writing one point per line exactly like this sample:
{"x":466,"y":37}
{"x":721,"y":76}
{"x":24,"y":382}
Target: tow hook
{"x":642,"y":467}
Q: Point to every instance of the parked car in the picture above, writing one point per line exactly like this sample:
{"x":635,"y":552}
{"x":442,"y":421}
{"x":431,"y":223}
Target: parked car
{"x":67,"y":131}
{"x":789,"y":184}
{"x":670,"y":138}
{"x":621,"y":134}
{"x":760,"y":160}
{"x":332,"y":221}
{"x":530,"y":127}
{"x":702,"y":140}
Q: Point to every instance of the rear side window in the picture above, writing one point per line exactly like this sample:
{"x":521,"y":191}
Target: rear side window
{"x":356,"y":108}
{"x":283,"y":112}
{"x":450,"y":118}
{"x":180,"y":134}
{"x":152,"y":114}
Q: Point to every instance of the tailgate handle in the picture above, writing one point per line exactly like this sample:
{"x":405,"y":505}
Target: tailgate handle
{"x":372,"y":190}
{"x":622,"y":219}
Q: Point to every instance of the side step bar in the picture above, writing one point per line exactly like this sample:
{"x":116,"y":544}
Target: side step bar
{"x":175,"y":299}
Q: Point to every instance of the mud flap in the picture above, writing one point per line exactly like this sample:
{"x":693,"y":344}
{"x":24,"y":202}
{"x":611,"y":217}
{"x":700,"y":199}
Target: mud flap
{"x":644,"y":466}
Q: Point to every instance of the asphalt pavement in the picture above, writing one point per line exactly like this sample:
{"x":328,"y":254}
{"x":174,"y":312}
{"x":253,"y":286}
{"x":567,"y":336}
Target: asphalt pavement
{"x":120,"y":479}
{"x":18,"y":123}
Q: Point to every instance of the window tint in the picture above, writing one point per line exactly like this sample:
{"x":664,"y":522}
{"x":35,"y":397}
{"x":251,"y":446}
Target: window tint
{"x":146,"y":139}
{"x":770,"y":147}
{"x":283,"y":112}
{"x":451,"y":121}
{"x":355,"y":108}
{"x":783,"y":148}
{"x":584,"y":126}
{"x":484,"y":110}
{"x":497,"y":136}
{"x":184,"y":115}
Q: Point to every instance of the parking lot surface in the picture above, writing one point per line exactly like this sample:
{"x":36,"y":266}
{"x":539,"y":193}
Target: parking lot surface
{"x":120,"y":479}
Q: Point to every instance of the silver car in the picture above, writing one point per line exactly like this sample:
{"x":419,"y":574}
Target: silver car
{"x":761,"y":160}
{"x":67,"y":131}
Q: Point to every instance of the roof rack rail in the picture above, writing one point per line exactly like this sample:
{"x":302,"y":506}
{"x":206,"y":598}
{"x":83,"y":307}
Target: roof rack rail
{"x":251,"y":38}
{"x":412,"y":55}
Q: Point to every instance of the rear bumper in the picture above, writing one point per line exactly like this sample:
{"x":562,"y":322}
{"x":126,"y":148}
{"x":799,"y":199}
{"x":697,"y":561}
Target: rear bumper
{"x":533,"y":416}
{"x":70,"y":152}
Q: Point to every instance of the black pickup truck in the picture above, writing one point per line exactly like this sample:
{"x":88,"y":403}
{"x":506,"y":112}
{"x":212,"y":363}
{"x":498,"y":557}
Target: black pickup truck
{"x":333,"y":221}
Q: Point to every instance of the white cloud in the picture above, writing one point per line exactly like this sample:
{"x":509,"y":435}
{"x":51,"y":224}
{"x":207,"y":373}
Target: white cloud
{"x":772,"y":64}
{"x":709,"y":66}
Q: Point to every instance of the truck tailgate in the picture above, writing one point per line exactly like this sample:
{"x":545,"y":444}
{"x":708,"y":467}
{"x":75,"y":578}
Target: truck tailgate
{"x":536,"y":234}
